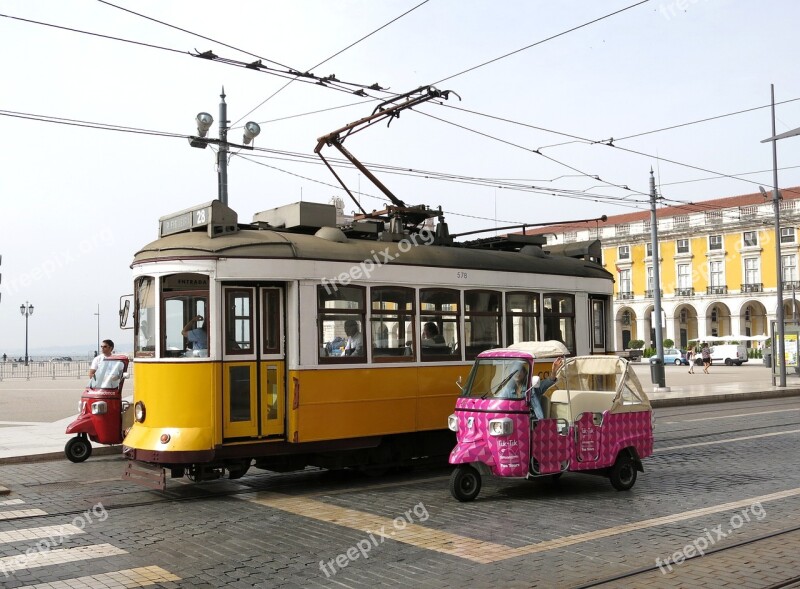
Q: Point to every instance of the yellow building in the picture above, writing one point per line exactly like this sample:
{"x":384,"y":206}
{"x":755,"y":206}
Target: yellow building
{"x":717,"y":265}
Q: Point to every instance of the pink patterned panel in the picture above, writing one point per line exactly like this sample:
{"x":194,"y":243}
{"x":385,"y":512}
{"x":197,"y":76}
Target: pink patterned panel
{"x":589,"y":438}
{"x":507,"y":456}
{"x":619,"y":431}
{"x":549,"y":447}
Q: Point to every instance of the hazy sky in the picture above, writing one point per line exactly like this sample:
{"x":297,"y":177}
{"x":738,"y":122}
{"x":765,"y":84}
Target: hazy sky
{"x":77,"y":203}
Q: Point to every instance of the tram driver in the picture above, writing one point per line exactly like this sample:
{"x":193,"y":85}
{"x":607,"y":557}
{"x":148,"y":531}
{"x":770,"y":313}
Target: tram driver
{"x":197,"y":336}
{"x":355,"y":341}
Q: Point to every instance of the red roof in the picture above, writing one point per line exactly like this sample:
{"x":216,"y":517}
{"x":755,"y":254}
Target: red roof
{"x":727,"y":202}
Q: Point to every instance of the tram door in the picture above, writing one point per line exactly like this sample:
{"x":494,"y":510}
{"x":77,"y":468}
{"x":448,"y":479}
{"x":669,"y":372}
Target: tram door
{"x":253,"y":362}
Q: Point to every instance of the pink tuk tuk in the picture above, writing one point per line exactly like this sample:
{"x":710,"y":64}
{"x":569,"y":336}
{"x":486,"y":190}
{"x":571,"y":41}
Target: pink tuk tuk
{"x":596,"y":419}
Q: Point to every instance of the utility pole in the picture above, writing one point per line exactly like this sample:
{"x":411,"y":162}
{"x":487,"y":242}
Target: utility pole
{"x":657,"y":370}
{"x":222,"y":154}
{"x":777,"y":346}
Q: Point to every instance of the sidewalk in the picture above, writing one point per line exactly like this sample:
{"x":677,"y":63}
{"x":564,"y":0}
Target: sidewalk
{"x":45,"y":441}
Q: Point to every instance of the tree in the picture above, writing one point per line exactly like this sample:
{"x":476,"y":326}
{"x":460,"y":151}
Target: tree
{"x":668,"y":343}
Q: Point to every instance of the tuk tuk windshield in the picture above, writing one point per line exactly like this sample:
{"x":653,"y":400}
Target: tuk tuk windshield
{"x":498,"y":377}
{"x":108,"y":375}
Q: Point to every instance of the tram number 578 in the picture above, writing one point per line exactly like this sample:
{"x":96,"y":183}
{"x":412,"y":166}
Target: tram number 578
{"x":461,"y":275}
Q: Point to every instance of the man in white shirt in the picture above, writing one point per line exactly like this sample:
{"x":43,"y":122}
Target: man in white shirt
{"x":106,"y":349}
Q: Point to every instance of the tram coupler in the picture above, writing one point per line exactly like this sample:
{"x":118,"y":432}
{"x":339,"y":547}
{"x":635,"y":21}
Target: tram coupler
{"x":150,"y":476}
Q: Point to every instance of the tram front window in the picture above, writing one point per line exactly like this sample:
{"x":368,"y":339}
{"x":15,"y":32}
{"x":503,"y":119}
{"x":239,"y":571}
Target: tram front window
{"x":185,"y":316}
{"x":145,"y":317}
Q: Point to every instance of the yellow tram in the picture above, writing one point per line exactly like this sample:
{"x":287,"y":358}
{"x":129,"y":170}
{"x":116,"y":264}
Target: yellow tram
{"x":284,"y":303}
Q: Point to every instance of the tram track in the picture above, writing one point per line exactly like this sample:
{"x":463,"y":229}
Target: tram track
{"x":633,"y":573}
{"x":660,"y":439}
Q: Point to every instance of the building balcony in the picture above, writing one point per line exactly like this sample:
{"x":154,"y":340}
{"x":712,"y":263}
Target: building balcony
{"x":624,"y":296}
{"x":648,"y":294}
{"x":753,"y":287}
{"x":716,"y":290}
{"x":791,"y":285}
{"x":684,"y":292}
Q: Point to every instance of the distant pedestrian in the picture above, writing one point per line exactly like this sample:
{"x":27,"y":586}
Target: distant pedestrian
{"x":706,"y":353}
{"x":690,"y":359}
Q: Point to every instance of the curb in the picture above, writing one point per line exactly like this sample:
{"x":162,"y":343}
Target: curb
{"x":52,"y":456}
{"x":724,"y":397}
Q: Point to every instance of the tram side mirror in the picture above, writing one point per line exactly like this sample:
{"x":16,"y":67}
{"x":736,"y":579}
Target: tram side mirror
{"x":458,"y":383}
{"x":125,"y":312}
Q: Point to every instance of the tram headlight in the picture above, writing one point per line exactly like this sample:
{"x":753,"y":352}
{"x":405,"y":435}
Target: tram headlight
{"x":452,"y":423}
{"x":501,"y":427}
{"x":139,"y":412}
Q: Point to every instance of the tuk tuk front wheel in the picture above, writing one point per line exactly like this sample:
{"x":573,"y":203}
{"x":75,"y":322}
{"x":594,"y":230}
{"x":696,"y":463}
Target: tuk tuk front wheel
{"x":465,"y":482}
{"x":78,"y":449}
{"x":623,"y":473}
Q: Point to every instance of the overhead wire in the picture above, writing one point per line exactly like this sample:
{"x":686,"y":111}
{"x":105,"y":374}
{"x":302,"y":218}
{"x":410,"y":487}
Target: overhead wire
{"x":327,"y":59}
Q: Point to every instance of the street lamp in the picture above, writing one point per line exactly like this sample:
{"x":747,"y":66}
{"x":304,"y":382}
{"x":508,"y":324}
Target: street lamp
{"x":27,"y":311}
{"x":204,"y":122}
{"x":777,"y":346}
{"x":98,"y":329}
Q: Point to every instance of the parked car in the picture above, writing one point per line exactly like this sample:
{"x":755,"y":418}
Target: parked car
{"x":675,"y":356}
{"x":61,"y":359}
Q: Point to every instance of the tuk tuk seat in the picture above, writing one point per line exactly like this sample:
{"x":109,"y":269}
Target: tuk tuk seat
{"x":570,"y":407}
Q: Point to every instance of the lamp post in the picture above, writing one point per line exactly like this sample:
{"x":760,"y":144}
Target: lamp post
{"x":27,"y":311}
{"x":98,"y":328}
{"x":777,"y":346}
{"x":204,"y":122}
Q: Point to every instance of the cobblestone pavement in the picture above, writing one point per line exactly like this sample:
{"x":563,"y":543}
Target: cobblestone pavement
{"x":721,"y":475}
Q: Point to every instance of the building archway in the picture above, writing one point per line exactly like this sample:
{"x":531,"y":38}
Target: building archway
{"x":718,"y":320}
{"x":625,"y":327}
{"x":685,"y":325}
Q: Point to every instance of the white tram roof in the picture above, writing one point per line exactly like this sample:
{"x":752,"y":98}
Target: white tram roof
{"x":330,"y":244}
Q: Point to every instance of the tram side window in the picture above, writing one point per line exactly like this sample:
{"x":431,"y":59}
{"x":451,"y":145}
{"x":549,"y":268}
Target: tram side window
{"x":522,"y":317}
{"x":184,"y":312}
{"x":238,"y":321}
{"x":559,"y":319}
{"x":392,"y":324}
{"x":439,"y":320}
{"x":481,"y":321}
{"x":145,"y":317}
{"x":340,"y":316}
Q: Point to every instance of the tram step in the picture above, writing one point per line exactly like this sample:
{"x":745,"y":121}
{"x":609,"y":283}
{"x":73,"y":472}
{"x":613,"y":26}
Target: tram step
{"x":152,"y":477}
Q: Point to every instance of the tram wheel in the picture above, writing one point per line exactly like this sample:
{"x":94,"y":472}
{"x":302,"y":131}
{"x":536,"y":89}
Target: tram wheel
{"x":78,"y":449}
{"x":465,"y":483}
{"x":623,"y":473}
{"x":237,"y":471}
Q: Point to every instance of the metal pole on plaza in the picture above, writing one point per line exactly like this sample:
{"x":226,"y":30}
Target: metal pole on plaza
{"x":98,"y":327}
{"x":222,"y":154}
{"x":27,"y":311}
{"x":656,"y":284}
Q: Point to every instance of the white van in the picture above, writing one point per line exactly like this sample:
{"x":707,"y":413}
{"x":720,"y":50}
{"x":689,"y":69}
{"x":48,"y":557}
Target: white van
{"x":729,"y":353}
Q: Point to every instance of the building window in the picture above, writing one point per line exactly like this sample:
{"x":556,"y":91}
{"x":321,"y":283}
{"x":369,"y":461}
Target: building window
{"x":646,"y":226}
{"x":787,"y":235}
{"x":714,"y":315}
{"x":682,"y":246}
{"x":715,"y":274}
{"x":649,"y":249}
{"x":751,"y":271}
{"x":748,"y":313}
{"x":684,"y":316}
{"x":522,"y":317}
{"x":750,"y":238}
{"x":715,"y":242}
{"x":625,"y":282}
{"x":626,"y":317}
{"x":650,"y":278}
{"x":624,"y":252}
{"x":684,"y":276}
{"x":789,"y":268}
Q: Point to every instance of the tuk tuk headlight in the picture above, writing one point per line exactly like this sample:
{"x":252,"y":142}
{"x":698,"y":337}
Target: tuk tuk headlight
{"x":81,"y":406}
{"x":501,"y":427}
{"x":139,"y":412}
{"x":452,"y":422}
{"x":99,"y":408}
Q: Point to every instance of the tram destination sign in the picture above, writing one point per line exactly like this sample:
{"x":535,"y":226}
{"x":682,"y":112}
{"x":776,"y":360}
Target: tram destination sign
{"x":214,"y":216}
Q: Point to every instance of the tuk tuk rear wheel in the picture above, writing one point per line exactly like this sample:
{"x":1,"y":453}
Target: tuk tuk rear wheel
{"x":78,"y":449}
{"x":465,"y":482}
{"x":623,"y":473}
